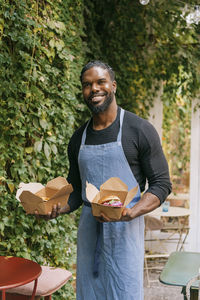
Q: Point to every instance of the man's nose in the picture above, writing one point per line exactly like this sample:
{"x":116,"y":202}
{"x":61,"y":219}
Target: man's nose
{"x":95,"y":87}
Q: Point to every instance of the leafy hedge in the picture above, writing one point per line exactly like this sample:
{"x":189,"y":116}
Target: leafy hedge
{"x":41,"y":56}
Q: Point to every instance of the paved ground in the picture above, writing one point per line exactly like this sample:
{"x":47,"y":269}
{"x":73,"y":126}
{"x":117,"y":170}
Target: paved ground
{"x":159,"y":291}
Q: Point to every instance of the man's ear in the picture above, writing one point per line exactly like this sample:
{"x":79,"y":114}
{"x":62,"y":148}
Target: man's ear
{"x":114,"y":83}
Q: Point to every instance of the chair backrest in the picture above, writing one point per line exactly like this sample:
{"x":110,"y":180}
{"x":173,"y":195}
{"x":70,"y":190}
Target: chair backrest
{"x":189,"y":284}
{"x":152,"y":223}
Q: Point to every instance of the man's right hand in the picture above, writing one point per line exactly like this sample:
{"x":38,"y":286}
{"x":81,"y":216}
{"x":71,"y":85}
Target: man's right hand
{"x":56,"y":211}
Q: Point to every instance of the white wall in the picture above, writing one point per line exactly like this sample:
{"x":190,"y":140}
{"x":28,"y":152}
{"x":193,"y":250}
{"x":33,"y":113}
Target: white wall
{"x":194,"y":235}
{"x":156,"y":118}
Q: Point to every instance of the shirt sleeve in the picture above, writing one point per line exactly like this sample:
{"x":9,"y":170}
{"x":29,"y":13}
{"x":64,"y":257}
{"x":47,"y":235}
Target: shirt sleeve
{"x":154,"y":164}
{"x":75,"y":198}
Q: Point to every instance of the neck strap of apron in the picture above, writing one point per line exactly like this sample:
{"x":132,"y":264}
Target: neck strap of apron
{"x":120,"y":129}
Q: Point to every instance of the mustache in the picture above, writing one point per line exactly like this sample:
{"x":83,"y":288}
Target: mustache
{"x":96,"y":95}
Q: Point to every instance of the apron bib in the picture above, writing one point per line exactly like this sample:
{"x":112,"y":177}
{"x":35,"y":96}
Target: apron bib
{"x":120,"y":244}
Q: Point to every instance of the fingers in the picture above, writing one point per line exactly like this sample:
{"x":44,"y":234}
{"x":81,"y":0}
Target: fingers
{"x":37,"y":214}
{"x":48,"y":216}
{"x":99,"y":219}
{"x":103,"y":218}
{"x":53,"y":214}
{"x":56,"y":210}
{"x":125,"y":219}
{"x":124,"y":213}
{"x":126,"y":216}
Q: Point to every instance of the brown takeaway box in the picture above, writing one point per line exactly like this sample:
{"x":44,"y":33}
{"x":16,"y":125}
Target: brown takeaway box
{"x":57,"y":190}
{"x":113,"y":186}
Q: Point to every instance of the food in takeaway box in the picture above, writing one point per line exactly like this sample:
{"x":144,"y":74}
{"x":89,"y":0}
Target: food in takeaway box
{"x":111,"y":200}
{"x":45,"y":198}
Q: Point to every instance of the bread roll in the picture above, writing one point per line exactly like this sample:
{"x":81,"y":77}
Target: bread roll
{"x":109,"y":198}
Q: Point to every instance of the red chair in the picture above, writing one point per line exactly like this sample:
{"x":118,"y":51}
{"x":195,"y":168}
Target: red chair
{"x":50,"y":280}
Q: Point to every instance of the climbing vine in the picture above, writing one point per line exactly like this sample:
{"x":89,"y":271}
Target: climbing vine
{"x":41,"y":56}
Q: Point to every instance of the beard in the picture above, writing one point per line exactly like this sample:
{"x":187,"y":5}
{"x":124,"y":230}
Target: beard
{"x":96,"y":109}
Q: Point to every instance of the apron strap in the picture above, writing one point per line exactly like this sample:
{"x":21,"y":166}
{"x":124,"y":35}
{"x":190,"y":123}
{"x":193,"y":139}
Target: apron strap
{"x":119,"y":137}
{"x":84,"y":133}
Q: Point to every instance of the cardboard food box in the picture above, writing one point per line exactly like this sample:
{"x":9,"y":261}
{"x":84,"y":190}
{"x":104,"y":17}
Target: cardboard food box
{"x":35,"y":196}
{"x":113,"y":186}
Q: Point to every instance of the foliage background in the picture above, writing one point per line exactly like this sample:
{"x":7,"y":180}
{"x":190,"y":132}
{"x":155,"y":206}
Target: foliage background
{"x":43,"y":46}
{"x":146,"y":45}
{"x":41,"y":56}
{"x":151,"y":47}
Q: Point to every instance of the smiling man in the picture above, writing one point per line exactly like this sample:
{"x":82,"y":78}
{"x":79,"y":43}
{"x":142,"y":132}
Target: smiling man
{"x":99,"y":87}
{"x":113,"y":143}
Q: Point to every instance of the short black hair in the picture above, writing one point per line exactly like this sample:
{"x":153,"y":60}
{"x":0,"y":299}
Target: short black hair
{"x":98,"y":63}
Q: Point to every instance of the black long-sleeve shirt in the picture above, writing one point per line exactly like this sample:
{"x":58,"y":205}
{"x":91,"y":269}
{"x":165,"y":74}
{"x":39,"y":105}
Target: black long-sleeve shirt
{"x":142,"y":148}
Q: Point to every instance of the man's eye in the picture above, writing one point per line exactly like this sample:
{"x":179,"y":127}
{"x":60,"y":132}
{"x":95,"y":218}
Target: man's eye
{"x":102,"y":82}
{"x":85,"y":84}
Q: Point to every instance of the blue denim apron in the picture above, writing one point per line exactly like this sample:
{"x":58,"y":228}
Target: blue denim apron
{"x":120,"y":244}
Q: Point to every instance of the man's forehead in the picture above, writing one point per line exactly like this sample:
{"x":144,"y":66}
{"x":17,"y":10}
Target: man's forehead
{"x":96,"y":71}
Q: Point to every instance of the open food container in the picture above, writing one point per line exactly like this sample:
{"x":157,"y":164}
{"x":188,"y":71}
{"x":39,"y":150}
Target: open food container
{"x":35,"y":196}
{"x":113,"y":186}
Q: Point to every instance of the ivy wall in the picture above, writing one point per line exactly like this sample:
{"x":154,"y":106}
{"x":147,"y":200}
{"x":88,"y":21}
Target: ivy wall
{"x":145,"y":44}
{"x":41,"y":55}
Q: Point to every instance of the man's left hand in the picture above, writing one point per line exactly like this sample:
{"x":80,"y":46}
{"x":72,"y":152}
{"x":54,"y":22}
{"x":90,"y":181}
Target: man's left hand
{"x":147,"y":203}
{"x":126,"y":216}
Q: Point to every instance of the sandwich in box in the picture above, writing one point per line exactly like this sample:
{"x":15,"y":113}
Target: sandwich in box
{"x":115,"y":188}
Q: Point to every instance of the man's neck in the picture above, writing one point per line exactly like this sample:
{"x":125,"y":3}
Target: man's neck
{"x":106,"y":118}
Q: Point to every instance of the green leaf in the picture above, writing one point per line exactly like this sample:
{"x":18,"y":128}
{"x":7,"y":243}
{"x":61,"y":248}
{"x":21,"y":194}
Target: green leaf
{"x":54,"y":149}
{"x":47,"y":150}
{"x":29,"y":150}
{"x":43,"y":123}
{"x":60,"y":25}
{"x":51,"y":24}
{"x":52,"y":43}
{"x":59,"y":45}
{"x":11,"y":187}
{"x":38,"y":146}
{"x":35,"y":122}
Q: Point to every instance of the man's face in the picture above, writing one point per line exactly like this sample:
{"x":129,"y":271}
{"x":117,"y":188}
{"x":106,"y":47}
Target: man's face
{"x":98,"y":89}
